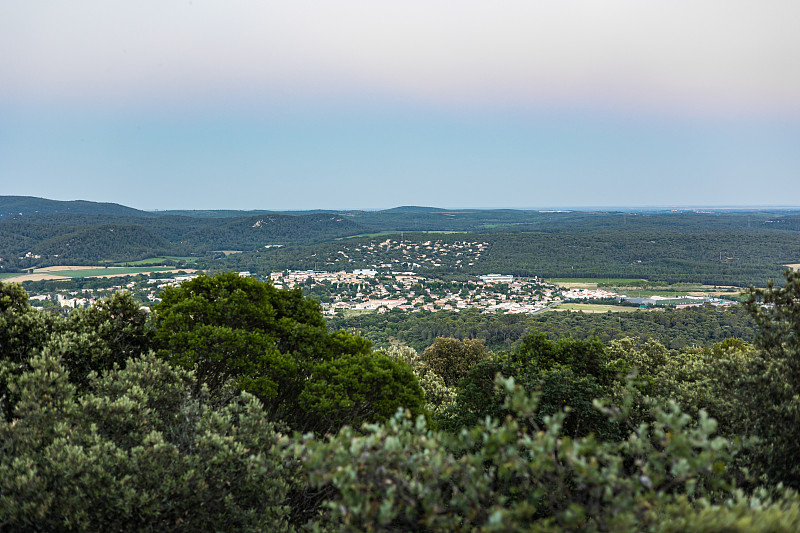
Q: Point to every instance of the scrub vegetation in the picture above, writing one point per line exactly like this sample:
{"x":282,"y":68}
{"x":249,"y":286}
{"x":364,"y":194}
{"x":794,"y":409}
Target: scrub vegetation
{"x":233,"y":406}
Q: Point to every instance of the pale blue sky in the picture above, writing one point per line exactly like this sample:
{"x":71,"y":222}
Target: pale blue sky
{"x":363,"y":104}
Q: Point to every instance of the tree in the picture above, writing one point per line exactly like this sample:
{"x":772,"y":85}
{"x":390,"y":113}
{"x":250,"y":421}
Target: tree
{"x":357,"y":388}
{"x":239,"y":332}
{"x":22,"y":328}
{"x":567,"y":373}
{"x":104,"y":335}
{"x":452,"y":358}
{"x":137,"y":452}
{"x":769,"y":389}
{"x":438,"y":396}
{"x":24,"y":331}
{"x":511,"y":476}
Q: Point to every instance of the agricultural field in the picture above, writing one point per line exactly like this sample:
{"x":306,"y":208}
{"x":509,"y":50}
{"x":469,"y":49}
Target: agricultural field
{"x":593,"y":283}
{"x":158,"y":260}
{"x":68,"y":272}
{"x":594,"y":308}
{"x":646,"y":289}
{"x":350,"y":313}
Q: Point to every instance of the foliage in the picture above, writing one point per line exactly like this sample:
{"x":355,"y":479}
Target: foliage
{"x":23,"y":332}
{"x":769,"y":388}
{"x":567,"y":373}
{"x":637,"y":435}
{"x":514,"y":475}
{"x":438,"y":396}
{"x":451,"y":358}
{"x":139,"y":452}
{"x":236,"y":331}
{"x":764,"y":511}
{"x":699,"y":326}
{"x":777,"y":314}
{"x":104,"y":336}
{"x":358,"y":387}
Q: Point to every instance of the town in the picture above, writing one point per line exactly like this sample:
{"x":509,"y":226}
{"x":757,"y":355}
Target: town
{"x":365,"y":289}
{"x":337,"y":292}
{"x":368,"y":290}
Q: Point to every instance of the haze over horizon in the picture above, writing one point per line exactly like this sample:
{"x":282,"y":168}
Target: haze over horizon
{"x":357,"y":104}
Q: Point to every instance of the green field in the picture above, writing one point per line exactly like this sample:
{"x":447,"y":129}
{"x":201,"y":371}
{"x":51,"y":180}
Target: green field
{"x":595,"y":308}
{"x":625,"y":282}
{"x":349,"y":313}
{"x":157,"y":260}
{"x":110,"y":271}
{"x":644,"y":293}
{"x":10,"y":275}
{"x":672,"y":293}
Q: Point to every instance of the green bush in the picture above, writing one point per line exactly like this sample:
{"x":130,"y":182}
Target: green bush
{"x":137,"y":452}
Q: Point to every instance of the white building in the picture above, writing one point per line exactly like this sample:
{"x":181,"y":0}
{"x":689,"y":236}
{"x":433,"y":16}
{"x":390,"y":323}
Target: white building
{"x":497,"y":278}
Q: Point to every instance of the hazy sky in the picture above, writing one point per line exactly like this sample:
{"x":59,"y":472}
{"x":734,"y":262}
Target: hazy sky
{"x":247,"y":104}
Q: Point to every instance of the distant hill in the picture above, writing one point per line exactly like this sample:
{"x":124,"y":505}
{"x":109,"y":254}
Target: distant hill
{"x":41,"y":239}
{"x":230,"y":213}
{"x":260,"y":230}
{"x":738,"y":245}
{"x":104,"y":243}
{"x":413,"y":209}
{"x":30,"y":205}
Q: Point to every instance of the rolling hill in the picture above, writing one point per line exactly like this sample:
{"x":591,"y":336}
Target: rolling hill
{"x":50,"y":232}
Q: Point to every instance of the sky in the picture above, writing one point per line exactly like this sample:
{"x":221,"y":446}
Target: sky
{"x":366,"y":104}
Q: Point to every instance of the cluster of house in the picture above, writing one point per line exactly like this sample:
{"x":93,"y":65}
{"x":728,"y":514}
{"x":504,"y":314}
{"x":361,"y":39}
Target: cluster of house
{"x":402,"y":253}
{"x":589,"y":294}
{"x":410,"y":291}
{"x":70,"y":300}
{"x":73,"y":299}
{"x":291,"y":278}
{"x":383,"y":290}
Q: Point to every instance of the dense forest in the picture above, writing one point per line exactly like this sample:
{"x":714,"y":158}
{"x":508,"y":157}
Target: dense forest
{"x":58,"y":239}
{"x":721,"y":258}
{"x":232,"y":406}
{"x":699,"y":326}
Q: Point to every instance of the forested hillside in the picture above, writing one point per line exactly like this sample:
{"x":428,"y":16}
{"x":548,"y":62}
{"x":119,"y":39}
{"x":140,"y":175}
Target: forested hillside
{"x":721,"y":258}
{"x":60,"y":238}
{"x":29,"y":205}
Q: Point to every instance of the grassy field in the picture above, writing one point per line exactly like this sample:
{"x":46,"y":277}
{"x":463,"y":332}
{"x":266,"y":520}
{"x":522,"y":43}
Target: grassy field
{"x":709,"y":290}
{"x":595,"y":308}
{"x":157,"y":260}
{"x":65,"y":272}
{"x":623,"y":282}
{"x":644,"y":293}
{"x":634,"y":287}
{"x":110,"y":271}
{"x":348,"y":313}
{"x":9,"y":275}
